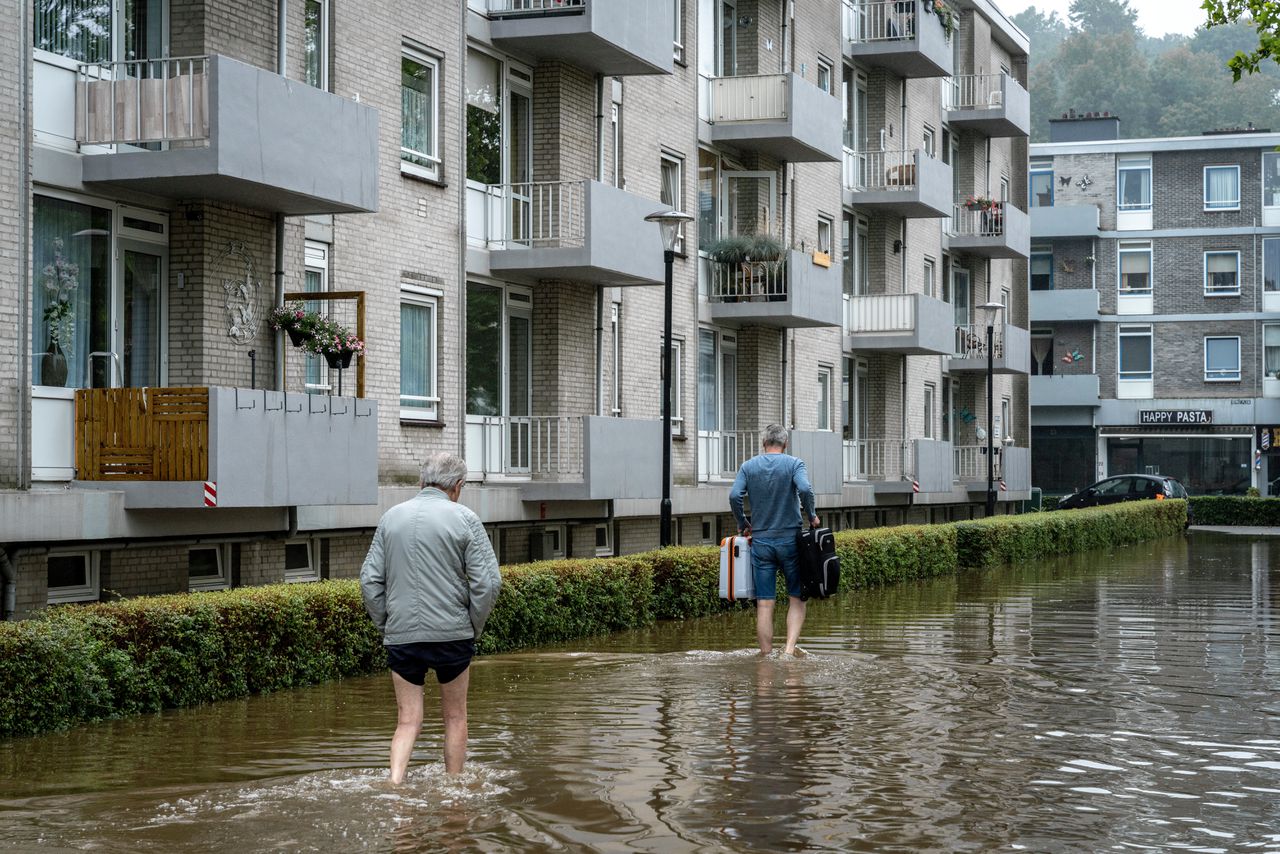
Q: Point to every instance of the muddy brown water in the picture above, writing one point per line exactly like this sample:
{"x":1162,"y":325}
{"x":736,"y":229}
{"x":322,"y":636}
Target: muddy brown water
{"x":1115,"y":701}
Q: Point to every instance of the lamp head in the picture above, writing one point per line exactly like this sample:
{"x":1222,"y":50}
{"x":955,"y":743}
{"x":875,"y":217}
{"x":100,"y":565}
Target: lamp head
{"x":669,"y":223}
{"x":991,"y":311}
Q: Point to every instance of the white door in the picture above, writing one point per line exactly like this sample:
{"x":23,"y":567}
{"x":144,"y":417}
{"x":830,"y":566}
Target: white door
{"x":708,"y":405}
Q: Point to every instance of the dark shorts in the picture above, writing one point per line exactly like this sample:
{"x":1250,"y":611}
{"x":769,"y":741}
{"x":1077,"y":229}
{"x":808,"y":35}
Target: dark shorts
{"x":768,"y":558}
{"x":449,"y":659}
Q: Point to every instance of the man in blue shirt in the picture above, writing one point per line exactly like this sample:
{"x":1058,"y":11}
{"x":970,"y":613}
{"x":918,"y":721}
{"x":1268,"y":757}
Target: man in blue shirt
{"x":778,"y":487}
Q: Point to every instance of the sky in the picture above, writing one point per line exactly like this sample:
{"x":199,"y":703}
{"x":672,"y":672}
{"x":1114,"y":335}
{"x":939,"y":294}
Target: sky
{"x":1155,"y":17}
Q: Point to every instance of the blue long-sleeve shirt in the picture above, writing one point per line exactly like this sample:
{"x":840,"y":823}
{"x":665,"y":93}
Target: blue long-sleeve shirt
{"x":779,"y":488}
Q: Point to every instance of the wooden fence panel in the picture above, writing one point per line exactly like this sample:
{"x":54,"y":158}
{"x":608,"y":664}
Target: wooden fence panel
{"x":142,"y":434}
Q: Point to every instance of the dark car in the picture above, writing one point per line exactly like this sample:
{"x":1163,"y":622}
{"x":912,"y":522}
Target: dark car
{"x":1124,"y":487}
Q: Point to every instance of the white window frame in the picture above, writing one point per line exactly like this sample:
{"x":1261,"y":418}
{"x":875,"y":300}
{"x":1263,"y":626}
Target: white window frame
{"x":1135,"y":331}
{"x":615,"y":345}
{"x":930,"y":404}
{"x":1006,"y":414}
{"x":221,"y":581}
{"x":676,"y":162}
{"x":1135,"y":163}
{"x":828,"y":69}
{"x":90,"y":591}
{"x":1221,"y":376}
{"x":426,"y":298}
{"x":678,"y":32}
{"x":316,"y":259}
{"x":1226,"y":205}
{"x":930,"y":277}
{"x":1134,"y":248}
{"x":605,"y":550}
{"x":677,"y":387}
{"x":1213,"y":292}
{"x":825,"y":376}
{"x":322,"y":40}
{"x":930,"y":141}
{"x":432,"y":172}
{"x":312,"y":571}
{"x":826,"y":233}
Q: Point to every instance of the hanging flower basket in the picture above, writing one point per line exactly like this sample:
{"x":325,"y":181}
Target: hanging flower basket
{"x":299,"y":323}
{"x":340,"y":361}
{"x":333,"y":341}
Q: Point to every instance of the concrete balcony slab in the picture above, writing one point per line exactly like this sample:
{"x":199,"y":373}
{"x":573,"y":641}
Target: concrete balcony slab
{"x":909,"y":184}
{"x":1012,"y":350}
{"x":1064,"y":221}
{"x":1000,"y":232}
{"x":911,"y":324}
{"x":995,"y":105}
{"x":609,"y":37}
{"x":1064,"y":390}
{"x":780,"y":115}
{"x":794,"y":293}
{"x":900,"y":37}
{"x":1079,"y":304}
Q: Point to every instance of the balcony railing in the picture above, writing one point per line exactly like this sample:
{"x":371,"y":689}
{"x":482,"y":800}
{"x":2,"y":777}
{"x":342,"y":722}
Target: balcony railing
{"x":143,"y":101}
{"x":722,"y":452}
{"x":975,"y":92}
{"x":879,"y":20}
{"x":866,"y":313}
{"x":142,"y":434}
{"x":971,"y":341}
{"x":880,"y":170}
{"x":970,"y":463}
{"x":531,"y":445}
{"x":978,"y":221}
{"x":535,"y":7}
{"x":878,"y":459}
{"x":749,"y":281}
{"x":755,"y":98}
{"x":541,"y":214}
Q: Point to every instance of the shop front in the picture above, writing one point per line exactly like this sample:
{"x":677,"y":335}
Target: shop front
{"x":1207,"y":460}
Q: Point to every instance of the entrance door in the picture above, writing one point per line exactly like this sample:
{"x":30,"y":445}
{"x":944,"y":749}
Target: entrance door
{"x":499,"y":380}
{"x":748,"y":202}
{"x":708,"y":405}
{"x":137,"y":352}
{"x":961,"y":305}
{"x":735,"y":448}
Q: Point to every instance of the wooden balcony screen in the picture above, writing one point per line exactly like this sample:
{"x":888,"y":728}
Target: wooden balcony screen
{"x":142,"y":434}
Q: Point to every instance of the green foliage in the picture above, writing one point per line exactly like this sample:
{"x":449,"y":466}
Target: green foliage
{"x":1235,"y":510}
{"x":1262,"y":15}
{"x":84,"y":663}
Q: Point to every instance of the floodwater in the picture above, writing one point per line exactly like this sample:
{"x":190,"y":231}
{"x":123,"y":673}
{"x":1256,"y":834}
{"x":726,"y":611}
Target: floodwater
{"x":1115,"y":701}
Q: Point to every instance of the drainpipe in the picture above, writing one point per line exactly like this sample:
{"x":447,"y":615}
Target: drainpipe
{"x":786,"y":345}
{"x":282,"y":29}
{"x":461,"y":145}
{"x":9,"y":575}
{"x":600,"y":127}
{"x":600,"y":145}
{"x":24,"y":259}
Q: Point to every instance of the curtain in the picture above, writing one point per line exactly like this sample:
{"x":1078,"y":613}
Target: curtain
{"x":1222,"y":188}
{"x":71,"y":246}
{"x":417,"y":353}
{"x":1041,"y":349}
{"x":1221,"y":270}
{"x":417,"y":113}
{"x":1135,"y":188}
{"x":1135,"y":271}
{"x":1271,"y":349}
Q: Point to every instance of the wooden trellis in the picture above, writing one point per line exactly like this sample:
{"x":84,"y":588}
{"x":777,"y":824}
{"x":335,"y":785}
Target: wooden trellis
{"x":329,"y":296}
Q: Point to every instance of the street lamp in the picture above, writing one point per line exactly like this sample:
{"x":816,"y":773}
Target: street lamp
{"x":669,"y":223}
{"x":990,"y":311}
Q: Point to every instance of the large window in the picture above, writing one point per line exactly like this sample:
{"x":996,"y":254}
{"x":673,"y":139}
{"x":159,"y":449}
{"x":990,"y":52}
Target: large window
{"x":672,"y":190}
{"x":1222,"y":274}
{"x":84,"y":30}
{"x":1271,"y":265}
{"x":1222,"y":359}
{"x":1041,"y":269}
{"x":1270,"y":182}
{"x":419,"y":114}
{"x":1222,"y":188}
{"x":315,"y":43}
{"x":1135,"y":267}
{"x":1135,"y":361}
{"x":1041,"y":182}
{"x":418,"y":398}
{"x":72,"y":577}
{"x":1134,"y":183}
{"x":708,"y":198}
{"x":1271,"y":350}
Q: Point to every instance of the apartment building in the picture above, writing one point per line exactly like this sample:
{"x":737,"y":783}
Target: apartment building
{"x":465,"y":186}
{"x":1155,"y":278}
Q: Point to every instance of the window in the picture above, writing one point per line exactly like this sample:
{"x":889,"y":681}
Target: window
{"x":1134,"y":183}
{"x":418,"y":398}
{"x":1135,"y":353}
{"x":1270,"y":181}
{"x":1004,"y":188}
{"x":929,"y":391}
{"x":1041,"y":269}
{"x":672,"y":190}
{"x":930,"y":142}
{"x":946,"y":409}
{"x":315,"y":279}
{"x":1222,"y":359}
{"x":1135,"y":267}
{"x":930,"y":277}
{"x":677,"y":393}
{"x":615,"y":135}
{"x":96,"y":31}
{"x":1042,"y":352}
{"x":707,"y":530}
{"x":604,"y":542}
{"x":678,"y":34}
{"x":615,"y":346}
{"x":205,"y":568}
{"x":824,"y":398}
{"x":824,"y":75}
{"x":1041,"y":182}
{"x":419,"y":106}
{"x":1271,"y":350}
{"x":315,"y":43}
{"x":1222,"y":274}
{"x":826,"y":227}
{"x":549,"y":543}
{"x":708,"y":199}
{"x":1222,"y":188}
{"x":72,"y":577}
{"x":1004,"y":429}
{"x":299,"y":565}
{"x":1271,"y":265}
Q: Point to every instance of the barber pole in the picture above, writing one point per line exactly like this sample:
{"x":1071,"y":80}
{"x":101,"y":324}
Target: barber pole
{"x":1257,"y":459}
{"x":210,"y":493}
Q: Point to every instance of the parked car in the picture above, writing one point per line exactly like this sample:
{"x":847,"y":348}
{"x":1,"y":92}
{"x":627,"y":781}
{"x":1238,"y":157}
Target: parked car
{"x":1125,"y":487}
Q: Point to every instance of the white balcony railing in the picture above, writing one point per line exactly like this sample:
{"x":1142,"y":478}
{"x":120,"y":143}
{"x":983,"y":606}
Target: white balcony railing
{"x":722,"y":452}
{"x":534,"y":215}
{"x":755,"y":98}
{"x":143,"y":101}
{"x":749,"y":281}
{"x":969,"y":463}
{"x":534,"y":7}
{"x":531,"y":445}
{"x":977,"y":221}
{"x":975,"y":92}
{"x":971,"y":341}
{"x":878,"y":459}
{"x":879,"y":20}
{"x":880,"y":313}
{"x":880,"y":170}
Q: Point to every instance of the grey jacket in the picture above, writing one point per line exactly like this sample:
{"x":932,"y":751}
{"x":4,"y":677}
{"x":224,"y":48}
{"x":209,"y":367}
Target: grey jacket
{"x":430,"y":574}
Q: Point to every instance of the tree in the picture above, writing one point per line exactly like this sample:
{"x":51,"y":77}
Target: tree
{"x":1262,"y":15}
{"x":1101,"y":17}
{"x":1046,"y":32}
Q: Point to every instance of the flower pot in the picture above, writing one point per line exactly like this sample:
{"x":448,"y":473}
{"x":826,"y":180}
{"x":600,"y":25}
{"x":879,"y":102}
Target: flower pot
{"x":339,"y":361}
{"x":297,"y":337}
{"x":53,"y":366}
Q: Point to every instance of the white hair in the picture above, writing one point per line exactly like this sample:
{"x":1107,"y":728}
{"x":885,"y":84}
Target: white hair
{"x":775,"y":435}
{"x":444,"y":471}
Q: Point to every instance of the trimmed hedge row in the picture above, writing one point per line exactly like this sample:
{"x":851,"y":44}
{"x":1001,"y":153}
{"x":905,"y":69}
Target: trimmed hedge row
{"x":1235,"y":510}
{"x":85,"y":663}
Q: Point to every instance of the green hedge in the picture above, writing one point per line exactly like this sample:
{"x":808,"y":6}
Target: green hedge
{"x":1235,"y":510}
{"x":84,"y":663}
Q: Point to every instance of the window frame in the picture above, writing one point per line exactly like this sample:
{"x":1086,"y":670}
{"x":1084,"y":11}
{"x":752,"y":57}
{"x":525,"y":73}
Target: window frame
{"x":605,"y":550}
{"x":1135,"y":163}
{"x":221,"y":581}
{"x":677,"y":38}
{"x":322,"y":41}
{"x":1040,"y":253}
{"x":676,"y":162}
{"x":929,"y":139}
{"x":827,"y":225}
{"x":1038,"y":167}
{"x":1221,"y":376}
{"x":677,"y":387}
{"x":426,"y":59}
{"x":929,"y":402}
{"x":1127,"y":330}
{"x":90,"y":591}
{"x":930,"y":268}
{"x":1220,"y":206}
{"x":825,"y":372}
{"x":1213,"y":292}
{"x":424,"y":298}
{"x":615,"y":344}
{"x":312,"y":572}
{"x":1276,"y":371}
{"x":828,"y":68}
{"x":1135,"y":247}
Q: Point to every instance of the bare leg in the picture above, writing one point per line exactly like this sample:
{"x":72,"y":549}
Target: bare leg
{"x":409,"y":724}
{"x":795,"y":622}
{"x":453,"y":708}
{"x":764,"y":625}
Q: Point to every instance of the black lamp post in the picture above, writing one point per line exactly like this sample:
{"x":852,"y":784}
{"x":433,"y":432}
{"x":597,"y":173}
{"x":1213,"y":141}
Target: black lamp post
{"x":669,"y":224}
{"x":991,"y":310}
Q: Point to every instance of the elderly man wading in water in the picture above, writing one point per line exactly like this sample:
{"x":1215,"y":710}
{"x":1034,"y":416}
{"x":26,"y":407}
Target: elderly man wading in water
{"x":429,"y":583}
{"x":778,"y":487}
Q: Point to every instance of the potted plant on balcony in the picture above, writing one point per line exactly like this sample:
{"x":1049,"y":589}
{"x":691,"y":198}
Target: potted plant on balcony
{"x":60,"y":278}
{"x":335,"y":342}
{"x":731,"y":255}
{"x":946,"y":16}
{"x":299,"y":323}
{"x":980,"y":203}
{"x":770,"y":255}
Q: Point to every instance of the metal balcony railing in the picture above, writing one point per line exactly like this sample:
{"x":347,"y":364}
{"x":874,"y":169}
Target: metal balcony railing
{"x":879,"y":313}
{"x":971,"y":341}
{"x":533,"y":445}
{"x":977,"y":220}
{"x":880,"y":170}
{"x":722,"y":452}
{"x":749,"y":281}
{"x":878,"y":459}
{"x":969,"y":463}
{"x":535,"y":215}
{"x":975,"y":92}
{"x":143,"y":101}
{"x":754,"y":98}
{"x":879,"y":20}
{"x":535,"y":7}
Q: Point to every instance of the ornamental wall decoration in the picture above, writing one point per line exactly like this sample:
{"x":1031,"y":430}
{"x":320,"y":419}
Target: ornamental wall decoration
{"x":241,"y":289}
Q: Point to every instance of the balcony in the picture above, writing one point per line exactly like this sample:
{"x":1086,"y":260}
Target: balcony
{"x":912,"y":324}
{"x":999,"y":231}
{"x":226,"y":447}
{"x":229,"y":132}
{"x":995,"y":105}
{"x":1065,"y":390}
{"x":566,"y":457}
{"x":901,"y":36}
{"x":609,"y":37}
{"x":1064,"y":221}
{"x":1078,"y":304}
{"x":722,"y":452}
{"x":578,"y":231}
{"x":907,"y":183}
{"x":793,"y":292}
{"x":899,"y":466}
{"x":781,"y":115}
{"x":1011,"y":472}
{"x":1011,"y":349}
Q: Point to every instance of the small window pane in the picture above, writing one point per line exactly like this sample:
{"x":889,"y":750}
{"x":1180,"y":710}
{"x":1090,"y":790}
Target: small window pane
{"x":203,"y":563}
{"x":1042,"y":272}
{"x":1135,"y":271}
{"x":1135,"y":355}
{"x":417,"y":113}
{"x":68,"y":570}
{"x":297,"y":556}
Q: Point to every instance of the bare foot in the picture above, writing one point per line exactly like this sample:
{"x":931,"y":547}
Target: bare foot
{"x":795,"y":652}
